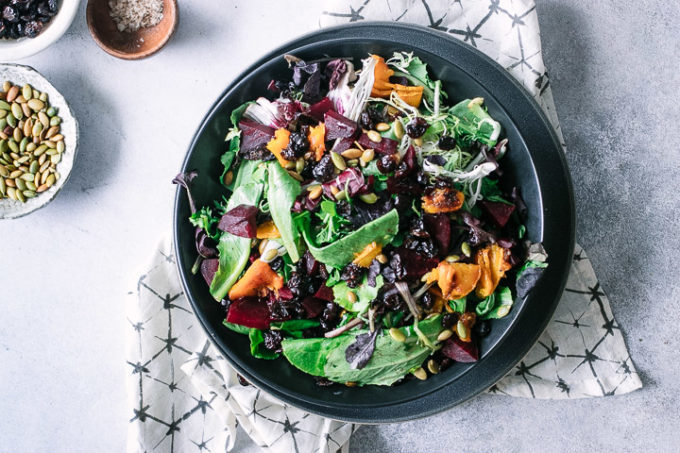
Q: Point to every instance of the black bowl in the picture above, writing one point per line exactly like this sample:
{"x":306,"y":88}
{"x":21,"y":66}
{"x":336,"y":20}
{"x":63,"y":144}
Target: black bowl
{"x":534,"y":162}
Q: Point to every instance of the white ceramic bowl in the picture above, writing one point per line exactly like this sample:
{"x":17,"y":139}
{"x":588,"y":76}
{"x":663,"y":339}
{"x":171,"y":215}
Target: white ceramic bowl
{"x":15,"y":49}
{"x":20,"y":75}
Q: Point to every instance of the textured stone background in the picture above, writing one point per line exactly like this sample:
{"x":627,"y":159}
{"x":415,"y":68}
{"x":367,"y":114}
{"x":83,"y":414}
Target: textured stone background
{"x":64,"y":269}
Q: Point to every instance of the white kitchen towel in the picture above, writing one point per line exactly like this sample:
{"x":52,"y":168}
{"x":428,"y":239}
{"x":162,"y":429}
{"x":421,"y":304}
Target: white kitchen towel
{"x":182,"y":394}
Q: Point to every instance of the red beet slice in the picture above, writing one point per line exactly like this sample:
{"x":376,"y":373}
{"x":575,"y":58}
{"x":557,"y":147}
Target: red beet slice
{"x":249,"y":312}
{"x":460,"y":351}
{"x":209,"y":268}
{"x":338,"y":126}
{"x":324,"y":293}
{"x":240,"y":221}
{"x":499,"y":212}
{"x":384,"y":146}
{"x":318,"y":110}
{"x":254,"y":135}
{"x":439,"y":227}
{"x":313,"y":306}
{"x":283,"y":294}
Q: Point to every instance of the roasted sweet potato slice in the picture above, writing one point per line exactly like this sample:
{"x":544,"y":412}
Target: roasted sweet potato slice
{"x":442,"y":200}
{"x":382,"y":87}
{"x":455,"y":279}
{"x":278,"y":144}
{"x":267,"y":230}
{"x":369,"y":252}
{"x":493,"y":260}
{"x":316,"y":137}
{"x":256,"y":281}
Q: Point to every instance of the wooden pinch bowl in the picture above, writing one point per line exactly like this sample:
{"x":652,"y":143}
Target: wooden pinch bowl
{"x":130,"y":45}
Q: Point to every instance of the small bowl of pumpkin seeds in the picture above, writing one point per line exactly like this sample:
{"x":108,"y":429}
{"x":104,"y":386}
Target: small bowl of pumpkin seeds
{"x":38,"y":141}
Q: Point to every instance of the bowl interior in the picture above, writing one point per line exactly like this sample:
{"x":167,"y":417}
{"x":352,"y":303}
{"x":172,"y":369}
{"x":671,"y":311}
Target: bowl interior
{"x":130,"y":45}
{"x":286,"y":382}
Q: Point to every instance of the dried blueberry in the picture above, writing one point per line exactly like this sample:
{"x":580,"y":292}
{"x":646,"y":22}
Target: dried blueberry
{"x":416,"y":127}
{"x":446,"y":142}
{"x":449,"y":319}
{"x":426,"y":300}
{"x":272,"y":340}
{"x":387,"y":163}
{"x":351,"y":275}
{"x":325,"y":170}
{"x":365,"y":121}
{"x":297,"y":146}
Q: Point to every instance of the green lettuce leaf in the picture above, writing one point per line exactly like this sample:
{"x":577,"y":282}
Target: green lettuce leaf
{"x":458,"y":305}
{"x":236,"y":327}
{"x":474,"y":121}
{"x":282,"y":192}
{"x":364,"y":294}
{"x":257,"y":348}
{"x":294,"y":327}
{"x":496,"y":306}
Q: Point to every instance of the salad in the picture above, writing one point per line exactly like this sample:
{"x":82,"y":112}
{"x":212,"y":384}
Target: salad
{"x":365,"y":234}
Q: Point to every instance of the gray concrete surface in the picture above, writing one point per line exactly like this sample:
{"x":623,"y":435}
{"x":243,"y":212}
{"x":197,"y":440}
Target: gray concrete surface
{"x":615,"y":79}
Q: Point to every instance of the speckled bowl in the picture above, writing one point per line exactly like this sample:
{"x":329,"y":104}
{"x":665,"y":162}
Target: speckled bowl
{"x":20,"y":75}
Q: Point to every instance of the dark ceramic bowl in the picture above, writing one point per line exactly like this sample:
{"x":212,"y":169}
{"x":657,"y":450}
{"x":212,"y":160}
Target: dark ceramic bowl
{"x":534,"y":162}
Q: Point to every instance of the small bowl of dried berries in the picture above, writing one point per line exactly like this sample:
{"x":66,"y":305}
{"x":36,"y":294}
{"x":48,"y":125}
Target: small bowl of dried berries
{"x":29,"y":26}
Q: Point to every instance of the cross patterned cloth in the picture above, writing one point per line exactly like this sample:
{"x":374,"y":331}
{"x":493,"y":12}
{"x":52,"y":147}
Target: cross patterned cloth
{"x":183,"y":396}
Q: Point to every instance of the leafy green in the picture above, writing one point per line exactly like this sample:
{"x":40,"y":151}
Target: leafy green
{"x":229,"y":156}
{"x":257,"y":348}
{"x":234,"y":251}
{"x":205,"y":219}
{"x":236,"y":327}
{"x":333,"y":224}
{"x":237,"y":113}
{"x":491,"y":192}
{"x":475,"y":122}
{"x":458,"y":305}
{"x":392,"y":318}
{"x":342,"y":251}
{"x":391,"y":360}
{"x":294,"y":327}
{"x":416,"y":73}
{"x":282,"y":192}
{"x":364,"y":294}
{"x":496,"y":306}
{"x":333,"y":277}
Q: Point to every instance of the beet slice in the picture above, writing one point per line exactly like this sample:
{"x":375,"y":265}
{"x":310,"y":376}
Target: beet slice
{"x":324,"y":293}
{"x":240,"y":221}
{"x":338,"y":126}
{"x":384,"y":146}
{"x":439,"y":227}
{"x":209,"y":268}
{"x":415,"y":264}
{"x":318,"y":110}
{"x":344,"y":144}
{"x":313,"y":306}
{"x":499,"y":212}
{"x":249,"y":312}
{"x":460,"y":351}
{"x":283,"y":294}
{"x":254,"y":135}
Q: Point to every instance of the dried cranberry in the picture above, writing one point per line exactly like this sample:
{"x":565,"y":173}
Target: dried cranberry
{"x":416,"y":127}
{"x":402,"y":171}
{"x":426,"y":300}
{"x":10,"y":14}
{"x":351,"y":275}
{"x":330,"y":316}
{"x":446,"y":142}
{"x":324,"y":171}
{"x":297,"y":146}
{"x":365,"y":121}
{"x":449,"y":320}
{"x":272,"y":340}
{"x":33,"y":28}
{"x":397,"y":266}
{"x":387,"y":163}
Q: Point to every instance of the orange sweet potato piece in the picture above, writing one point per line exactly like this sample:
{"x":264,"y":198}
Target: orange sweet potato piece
{"x":278,"y":144}
{"x":455,"y":279}
{"x":267,"y":230}
{"x":381,"y":75}
{"x":258,"y":278}
{"x":411,"y":95}
{"x":442,"y":200}
{"x":493,"y":261}
{"x":369,"y":252}
{"x":382,"y":87}
{"x":316,"y":137}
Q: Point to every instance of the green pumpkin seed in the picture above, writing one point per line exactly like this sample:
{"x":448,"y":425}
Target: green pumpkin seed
{"x":30,"y":185}
{"x":20,"y":183}
{"x":13,"y":146}
{"x":55,"y":159}
{"x":55,"y":121}
{"x":369,"y":198}
{"x":398,"y":130}
{"x":341,"y":195}
{"x":4,"y":172}
{"x":27,"y":176}
{"x":17,"y":111}
{"x":3,"y":122}
{"x":51,"y":132}
{"x":465,"y":248}
{"x":44,"y":119}
{"x":20,"y":196}
{"x":463,"y":331}
{"x":420,"y":374}
{"x":43,"y":97}
{"x":11,"y":193}
{"x":33,"y":169}
{"x":29,"y":193}
{"x":6,"y":85}
{"x":50,"y":144}
{"x":444,"y":335}
{"x":27,"y":111}
{"x":3,"y":113}
{"x":18,"y":135}
{"x":36,"y":105}
{"x":51,"y":111}
{"x":338,"y":161}
{"x":60,"y":146}
{"x":397,"y":335}
{"x":12,"y":93}
{"x":3,"y":186}
{"x":4,"y":105}
{"x":15,"y":174}
{"x":39,"y":150}
{"x":433,"y":366}
{"x":11,"y":120}
{"x":30,"y":147}
{"x":37,"y":129}
{"x":51,"y":179}
{"x":27,"y":91}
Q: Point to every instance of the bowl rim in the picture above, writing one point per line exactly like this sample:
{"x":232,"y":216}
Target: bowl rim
{"x":556,"y":275}
{"x":25,"y":47}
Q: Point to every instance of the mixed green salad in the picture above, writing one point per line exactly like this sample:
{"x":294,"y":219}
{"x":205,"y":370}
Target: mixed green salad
{"x":365,"y":233}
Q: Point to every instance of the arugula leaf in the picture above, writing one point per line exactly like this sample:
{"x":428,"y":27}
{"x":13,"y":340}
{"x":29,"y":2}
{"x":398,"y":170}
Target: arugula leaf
{"x":458,"y":305}
{"x":237,"y":113}
{"x":491,"y":192}
{"x":236,"y":327}
{"x":294,"y":327}
{"x":205,"y":219}
{"x":496,"y":306}
{"x":229,"y":156}
{"x":392,"y":318}
{"x":391,"y":360}
{"x":474,"y":121}
{"x":342,"y":251}
{"x":333,"y":224}
{"x":364,"y":294}
{"x":282,"y":192}
{"x":257,"y":348}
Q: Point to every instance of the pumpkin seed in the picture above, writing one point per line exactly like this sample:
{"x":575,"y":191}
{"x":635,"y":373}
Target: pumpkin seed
{"x":61,"y":146}
{"x":3,"y":186}
{"x":39,"y":150}
{"x":51,"y":179}
{"x":18,"y":135}
{"x":12,"y":93}
{"x":20,"y":99}
{"x":367,"y":155}
{"x":300,"y":164}
{"x":42,"y":188}
{"x":42,"y":158}
{"x":29,"y":193}
{"x":262,"y":246}
{"x":341,"y":195}
{"x":398,"y":130}
{"x":27,"y":177}
{"x":295,"y":175}
{"x":433,"y":366}
{"x":11,"y":120}
{"x":374,"y":136}
{"x":444,"y":335}
{"x":5,"y":106}
{"x":420,"y":374}
{"x":26,"y":109}
{"x":56,"y":121}
{"x":55,"y":159}
{"x":353,"y":162}
{"x":11,"y":193}
{"x":452,"y":258}
{"x":30,"y":186}
{"x":382,"y":259}
{"x":315,"y":193}
{"x":6,"y":85}
{"x":338,"y":161}
{"x":23,"y":160}
{"x":37,"y":129}
{"x":382,"y":127}
{"x":352,"y":153}
{"x":418,"y":141}
{"x":17,"y":111}
{"x":43,"y":97}
{"x":36,"y":105}
{"x":463,"y":331}
{"x":28,"y":127}
{"x":58,"y":138}
{"x":51,"y":112}
{"x":228,"y":178}
{"x":36,"y":180}
{"x":15,"y":174}
{"x":50,"y":144}
{"x":20,"y":183}
{"x":10,"y":183}
{"x":43,"y":178}
{"x":465,"y":248}
{"x":30,"y":147}
{"x":27,"y":91}
{"x":3,"y":171}
{"x":369,"y":198}
{"x":397,"y":335}
{"x":20,"y":196}
{"x":269,"y":255}
{"x":44,"y":119}
{"x":475,"y":101}
{"x":34,"y":167}
{"x":52,"y":131}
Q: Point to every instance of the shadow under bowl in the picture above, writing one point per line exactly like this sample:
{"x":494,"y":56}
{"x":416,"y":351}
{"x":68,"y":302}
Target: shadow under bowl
{"x":130,"y":45}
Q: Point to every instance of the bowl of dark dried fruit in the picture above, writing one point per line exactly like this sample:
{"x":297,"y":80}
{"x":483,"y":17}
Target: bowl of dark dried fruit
{"x":30,"y":26}
{"x":387,"y":228}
